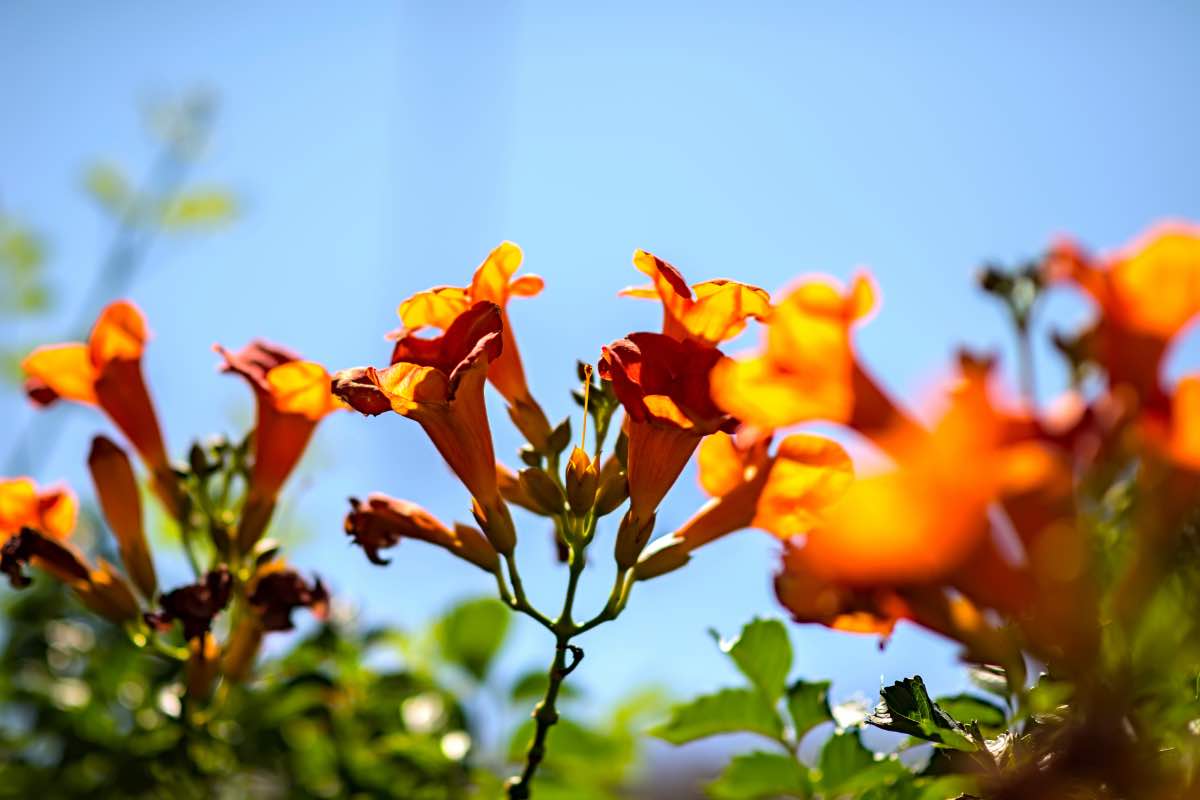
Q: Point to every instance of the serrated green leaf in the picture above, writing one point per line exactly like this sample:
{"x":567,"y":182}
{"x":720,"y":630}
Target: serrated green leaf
{"x":967,"y":709}
{"x":808,"y":704}
{"x":842,"y":758}
{"x":763,"y":654}
{"x":471,"y":634}
{"x":199,"y":208}
{"x":906,"y":708}
{"x":727,"y":711}
{"x":758,"y":775}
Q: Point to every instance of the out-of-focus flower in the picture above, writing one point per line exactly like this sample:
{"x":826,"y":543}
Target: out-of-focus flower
{"x":806,"y":369}
{"x":709,"y":312}
{"x":107,"y":592}
{"x":439,"y":383}
{"x":492,"y":282}
{"x":663,"y":385}
{"x":1147,"y":293}
{"x":811,"y":598}
{"x":107,"y":372}
{"x":784,"y":494}
{"x":194,"y":605}
{"x":117,"y":490}
{"x":291,"y":397}
{"x":58,"y":557}
{"x":276,"y":591}
{"x":50,"y":511}
{"x":382,"y":521}
{"x":919,"y":522}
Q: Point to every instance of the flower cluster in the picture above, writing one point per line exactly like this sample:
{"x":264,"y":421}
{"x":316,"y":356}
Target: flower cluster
{"x":244,"y":577}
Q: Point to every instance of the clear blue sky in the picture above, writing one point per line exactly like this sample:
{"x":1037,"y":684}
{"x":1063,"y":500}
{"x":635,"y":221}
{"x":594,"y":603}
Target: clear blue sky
{"x":386,"y":151}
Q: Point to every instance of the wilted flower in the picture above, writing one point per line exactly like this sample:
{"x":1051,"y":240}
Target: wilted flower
{"x":276,"y":591}
{"x":382,"y":521}
{"x":195,"y":605}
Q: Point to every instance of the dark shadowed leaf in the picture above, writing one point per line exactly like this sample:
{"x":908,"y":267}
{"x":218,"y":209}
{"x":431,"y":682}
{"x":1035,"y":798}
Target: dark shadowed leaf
{"x":808,"y":703}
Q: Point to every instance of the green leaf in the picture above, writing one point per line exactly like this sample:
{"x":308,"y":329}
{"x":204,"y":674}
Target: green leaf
{"x":757,"y":775}
{"x":471,"y":634}
{"x":808,"y":703}
{"x":842,"y":758}
{"x":967,"y":708}
{"x":906,"y":708}
{"x":200,"y":208}
{"x":727,"y":711}
{"x":109,"y":187}
{"x":763,"y":654}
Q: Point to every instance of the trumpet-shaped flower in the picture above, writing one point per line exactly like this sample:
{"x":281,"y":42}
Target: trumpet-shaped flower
{"x":806,"y":369}
{"x":1146,"y":293}
{"x":107,"y":372}
{"x":291,"y":397}
{"x":663,"y":384}
{"x":50,"y":511}
{"x":439,"y":383}
{"x":709,"y":312}
{"x":785,"y":494}
{"x":493,"y":282}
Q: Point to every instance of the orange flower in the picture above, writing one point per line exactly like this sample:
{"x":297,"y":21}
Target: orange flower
{"x":492,"y":282}
{"x":663,"y":385}
{"x":50,"y":511}
{"x":291,"y":396}
{"x":807,"y":369}
{"x":383,"y":521}
{"x":439,"y":383}
{"x":117,"y":490}
{"x":107,"y":371}
{"x":920,"y":521}
{"x":1147,"y":293}
{"x":716,"y":312}
{"x":811,"y":598}
{"x":784,"y":494}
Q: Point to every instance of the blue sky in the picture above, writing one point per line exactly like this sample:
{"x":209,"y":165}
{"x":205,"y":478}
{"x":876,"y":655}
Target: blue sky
{"x":384,"y":152}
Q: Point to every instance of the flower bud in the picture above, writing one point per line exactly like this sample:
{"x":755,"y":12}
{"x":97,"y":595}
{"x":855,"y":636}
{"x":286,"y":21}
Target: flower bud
{"x":543,"y":491}
{"x":614,"y":488}
{"x":117,"y":489}
{"x":665,"y":555}
{"x":583,"y":478}
{"x":474,"y":547}
{"x":560,"y":437}
{"x":497,"y":526}
{"x":531,"y":421}
{"x":631,"y":538}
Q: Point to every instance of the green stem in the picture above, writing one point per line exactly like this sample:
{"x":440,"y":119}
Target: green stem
{"x":545,"y":714}
{"x":518,"y":601}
